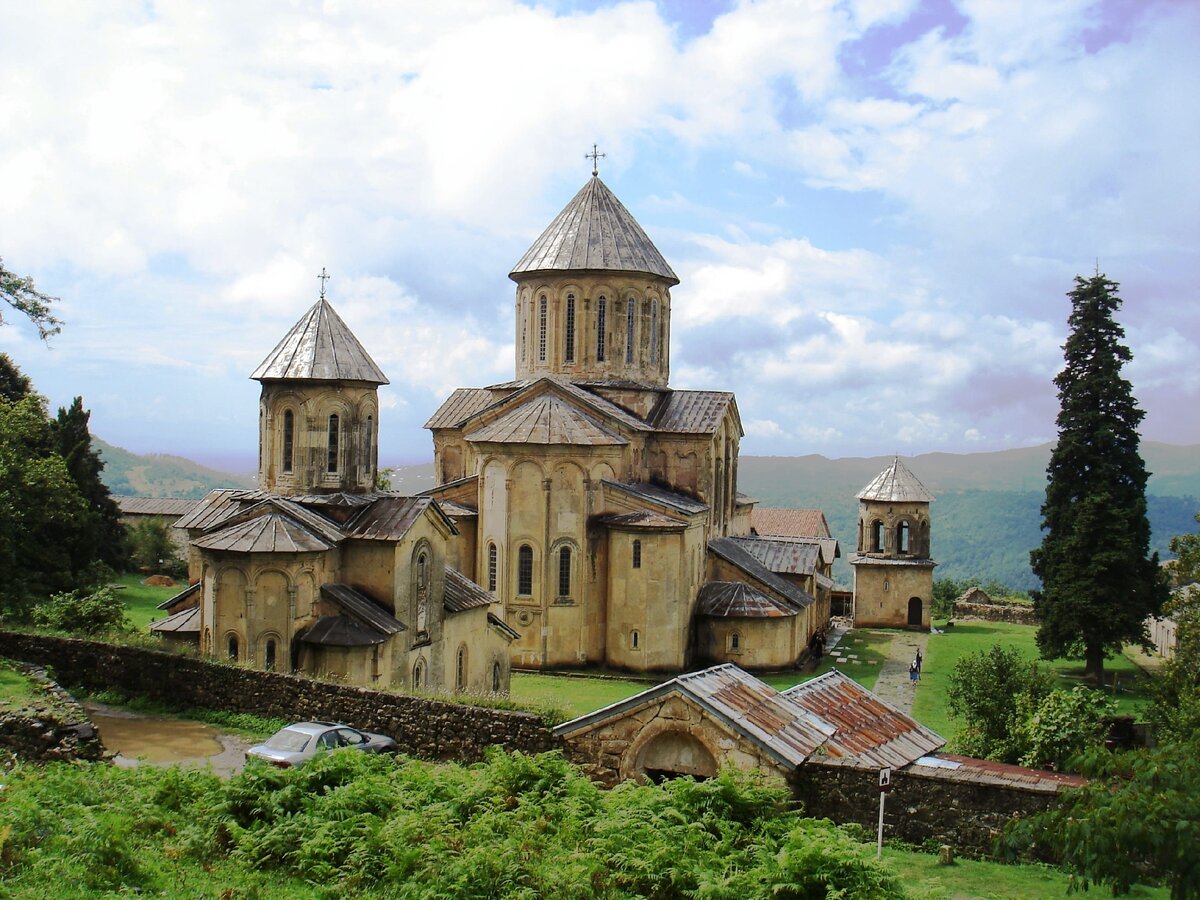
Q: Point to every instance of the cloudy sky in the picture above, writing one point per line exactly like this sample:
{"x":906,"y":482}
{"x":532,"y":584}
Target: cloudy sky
{"x":876,"y":207}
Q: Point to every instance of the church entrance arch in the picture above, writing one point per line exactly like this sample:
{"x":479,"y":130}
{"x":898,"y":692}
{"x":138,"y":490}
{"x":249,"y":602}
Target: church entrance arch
{"x":915,"y":611}
{"x":671,"y":754}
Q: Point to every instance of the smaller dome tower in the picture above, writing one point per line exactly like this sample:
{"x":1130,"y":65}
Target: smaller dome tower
{"x":318,"y":419}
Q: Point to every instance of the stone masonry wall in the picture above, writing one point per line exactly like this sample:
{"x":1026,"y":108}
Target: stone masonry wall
{"x":49,"y":729}
{"x":946,"y":808}
{"x":431,"y":729}
{"x":996,"y":612}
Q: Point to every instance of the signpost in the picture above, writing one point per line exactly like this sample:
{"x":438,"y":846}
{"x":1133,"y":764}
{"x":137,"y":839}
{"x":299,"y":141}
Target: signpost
{"x":885,"y":785}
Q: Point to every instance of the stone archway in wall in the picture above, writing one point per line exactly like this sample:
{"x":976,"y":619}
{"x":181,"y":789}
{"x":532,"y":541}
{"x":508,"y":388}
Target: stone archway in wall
{"x":915,"y":612}
{"x":671,"y":754}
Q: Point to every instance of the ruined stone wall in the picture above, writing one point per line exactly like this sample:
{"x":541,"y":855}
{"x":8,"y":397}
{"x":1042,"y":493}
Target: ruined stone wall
{"x":428,"y":728}
{"x":49,"y":728}
{"x":996,"y":612}
{"x":950,"y":807}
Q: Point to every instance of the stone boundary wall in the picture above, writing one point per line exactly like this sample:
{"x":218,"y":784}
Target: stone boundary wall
{"x":943,"y":808}
{"x":996,"y":612}
{"x":54,"y":730}
{"x":423,"y":727}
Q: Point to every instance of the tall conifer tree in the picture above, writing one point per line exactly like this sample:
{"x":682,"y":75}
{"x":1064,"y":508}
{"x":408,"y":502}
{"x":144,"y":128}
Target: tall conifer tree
{"x":104,"y":534}
{"x":1099,"y":582}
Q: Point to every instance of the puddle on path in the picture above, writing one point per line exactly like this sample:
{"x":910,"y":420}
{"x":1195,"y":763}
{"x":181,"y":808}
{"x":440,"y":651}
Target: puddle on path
{"x":162,"y":740}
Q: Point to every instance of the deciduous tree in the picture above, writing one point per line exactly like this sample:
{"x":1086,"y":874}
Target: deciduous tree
{"x":18,"y":291}
{"x":1099,"y":581}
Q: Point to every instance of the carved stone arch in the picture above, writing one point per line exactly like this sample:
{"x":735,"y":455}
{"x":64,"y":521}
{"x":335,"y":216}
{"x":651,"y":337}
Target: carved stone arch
{"x":575,"y":469}
{"x":668,"y":747}
{"x":232,"y":645}
{"x":272,"y":651}
{"x":422,"y":573}
{"x":568,"y":578}
{"x":602,"y":471}
{"x":517,"y":466}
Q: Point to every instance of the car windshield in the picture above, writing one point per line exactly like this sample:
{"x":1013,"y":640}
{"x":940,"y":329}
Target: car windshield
{"x":294,"y":741}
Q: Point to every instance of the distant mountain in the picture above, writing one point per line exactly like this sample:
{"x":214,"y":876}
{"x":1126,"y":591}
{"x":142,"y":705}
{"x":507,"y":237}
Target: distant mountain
{"x":158,"y":475}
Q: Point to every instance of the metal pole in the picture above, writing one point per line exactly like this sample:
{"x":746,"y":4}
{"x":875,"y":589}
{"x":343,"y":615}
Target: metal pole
{"x":879,"y":845}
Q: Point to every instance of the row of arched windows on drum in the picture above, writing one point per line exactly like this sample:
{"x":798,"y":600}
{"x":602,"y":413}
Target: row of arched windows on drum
{"x":333,"y":443}
{"x":420,"y":679}
{"x":565,"y":556}
{"x":907,"y":539}
{"x":650,"y":312}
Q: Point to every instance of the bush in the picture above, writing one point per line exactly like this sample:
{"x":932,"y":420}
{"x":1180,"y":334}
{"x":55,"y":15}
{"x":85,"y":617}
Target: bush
{"x":1062,"y":725}
{"x":991,"y":692}
{"x":80,"y":612}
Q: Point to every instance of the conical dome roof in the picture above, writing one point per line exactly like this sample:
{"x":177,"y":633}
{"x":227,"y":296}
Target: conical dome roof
{"x":594,"y":232}
{"x":320,"y":347}
{"x":896,"y":484}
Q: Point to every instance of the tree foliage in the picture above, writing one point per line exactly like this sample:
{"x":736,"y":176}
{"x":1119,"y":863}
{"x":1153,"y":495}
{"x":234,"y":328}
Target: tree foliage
{"x":20,"y":293}
{"x":1175,"y":712}
{"x":1185,"y":569}
{"x":103,"y":533}
{"x":990,"y":692}
{"x":83,"y":612}
{"x":1099,"y":582}
{"x":1052,"y":732}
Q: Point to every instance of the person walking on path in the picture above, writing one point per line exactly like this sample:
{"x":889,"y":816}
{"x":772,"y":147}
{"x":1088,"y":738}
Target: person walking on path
{"x":913,"y":672}
{"x":918,"y":660}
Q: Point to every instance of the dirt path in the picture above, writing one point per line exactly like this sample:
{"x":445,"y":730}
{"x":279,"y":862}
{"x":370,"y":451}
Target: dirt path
{"x":141,"y":739}
{"x":893,"y":684}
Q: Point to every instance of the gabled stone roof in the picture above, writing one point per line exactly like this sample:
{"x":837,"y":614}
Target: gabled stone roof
{"x":730,"y":550}
{"x":594,"y":232}
{"x":738,"y":600}
{"x":546,"y":419}
{"x":320,"y":347}
{"x":896,"y":484}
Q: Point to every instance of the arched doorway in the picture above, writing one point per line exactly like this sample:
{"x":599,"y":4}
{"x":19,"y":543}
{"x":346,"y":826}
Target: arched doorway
{"x":915,"y":611}
{"x":672,"y":754}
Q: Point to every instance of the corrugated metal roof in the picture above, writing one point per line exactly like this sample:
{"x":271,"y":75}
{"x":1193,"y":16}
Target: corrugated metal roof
{"x":986,"y":771}
{"x":342,"y":631}
{"x":186,"y":621}
{"x":191,"y":591}
{"x":868,"y":728}
{"x":461,"y":405}
{"x":643,"y":519}
{"x":319,"y":347}
{"x":219,"y":506}
{"x":691,"y":412}
{"x":790,"y":557}
{"x":645,"y":491}
{"x":730,"y":551}
{"x":594,"y":232}
{"x":860,"y":559}
{"x":545,"y":419}
{"x":271,"y":532}
{"x":461,"y":593}
{"x":155,"y":506}
{"x":738,"y":600}
{"x":896,"y":484}
{"x":388,"y":518}
{"x":362,"y":608}
{"x":790,"y":523}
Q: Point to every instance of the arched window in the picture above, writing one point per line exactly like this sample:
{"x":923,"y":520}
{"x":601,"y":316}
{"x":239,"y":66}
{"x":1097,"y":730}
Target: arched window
{"x":524,"y":324}
{"x":525,"y":571}
{"x":269,"y":655}
{"x":902,"y":537}
{"x":419,"y":675}
{"x":877,"y":536}
{"x":637,"y":553}
{"x":289,"y":439}
{"x":367,"y":444}
{"x":492,"y":558}
{"x":653,"y":331}
{"x":569,"y":330}
{"x":232,"y":647}
{"x":460,"y":669}
{"x":630,"y":312}
{"x":601,"y":317}
{"x":331,"y":462}
{"x":634,"y":639}
{"x":542,"y":328}
{"x":735,"y":642}
{"x":496,"y":673}
{"x":564,"y":572}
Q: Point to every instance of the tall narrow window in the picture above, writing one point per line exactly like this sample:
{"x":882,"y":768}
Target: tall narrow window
{"x":524,"y":329}
{"x":569,"y":330}
{"x":331,"y":463}
{"x":367,"y":444}
{"x":418,"y":674}
{"x":735,"y":642}
{"x":654,"y":332}
{"x":564,"y":572}
{"x":902,"y":532}
{"x":460,"y":670}
{"x":491,"y":568}
{"x":601,"y":315}
{"x":496,"y":677}
{"x":630,"y":312}
{"x":233,"y":647}
{"x":289,"y":438}
{"x":542,"y":329}
{"x":637,"y":554}
{"x":877,"y":536}
{"x":269,"y":656}
{"x":634,"y":639}
{"x":525,"y":571}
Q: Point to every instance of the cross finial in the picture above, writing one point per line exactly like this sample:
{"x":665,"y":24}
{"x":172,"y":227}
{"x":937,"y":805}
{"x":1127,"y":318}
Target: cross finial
{"x":593,"y":156}
{"x":323,"y":277}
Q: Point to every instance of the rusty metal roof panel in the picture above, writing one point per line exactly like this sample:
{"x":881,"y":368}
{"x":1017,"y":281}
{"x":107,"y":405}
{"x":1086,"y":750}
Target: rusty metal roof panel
{"x":185,"y":621}
{"x":363,"y":608}
{"x":388,"y":518}
{"x":461,"y":593}
{"x":545,"y":419}
{"x":271,"y":532}
{"x":985,"y":771}
{"x":646,"y":491}
{"x":319,"y":347}
{"x":789,"y":557}
{"x":461,"y":405}
{"x":896,"y":484}
{"x":219,"y":506}
{"x":594,"y":232}
{"x":691,"y":412}
{"x":738,"y":600}
{"x":730,"y":550}
{"x":789,"y":523}
{"x":869,"y":729}
{"x":155,"y":506}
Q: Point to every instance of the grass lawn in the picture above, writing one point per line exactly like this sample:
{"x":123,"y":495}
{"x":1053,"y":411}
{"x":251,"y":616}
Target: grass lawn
{"x":944,"y":650}
{"x":140,"y":599}
{"x":970,"y":879}
{"x":574,"y":695}
{"x":15,"y":689}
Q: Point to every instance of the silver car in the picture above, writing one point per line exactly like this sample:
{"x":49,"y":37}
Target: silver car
{"x":302,"y":741}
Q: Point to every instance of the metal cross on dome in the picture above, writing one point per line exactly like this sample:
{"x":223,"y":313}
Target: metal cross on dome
{"x":323,"y":277}
{"x":594,"y":156}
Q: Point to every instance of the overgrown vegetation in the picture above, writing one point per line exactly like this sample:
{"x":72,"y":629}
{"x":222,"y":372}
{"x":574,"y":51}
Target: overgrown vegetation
{"x":90,"y":613}
{"x":152,"y":551}
{"x":515,"y":826}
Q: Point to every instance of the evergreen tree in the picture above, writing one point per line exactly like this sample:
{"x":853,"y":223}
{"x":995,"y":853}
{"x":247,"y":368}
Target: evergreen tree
{"x":1098,"y":581}
{"x":104,"y":535}
{"x":14,"y":384}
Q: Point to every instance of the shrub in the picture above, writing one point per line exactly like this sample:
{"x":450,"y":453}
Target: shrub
{"x":989,"y":691}
{"x":80,"y":612}
{"x":1060,"y":726}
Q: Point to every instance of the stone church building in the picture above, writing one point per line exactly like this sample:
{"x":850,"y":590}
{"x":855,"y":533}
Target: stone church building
{"x":316,"y":571}
{"x":598,"y":505}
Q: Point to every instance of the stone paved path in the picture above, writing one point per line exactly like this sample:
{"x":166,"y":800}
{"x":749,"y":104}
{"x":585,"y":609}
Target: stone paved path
{"x":893,"y":684}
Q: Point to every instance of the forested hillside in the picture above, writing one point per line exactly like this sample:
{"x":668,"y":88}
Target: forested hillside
{"x":158,"y":475}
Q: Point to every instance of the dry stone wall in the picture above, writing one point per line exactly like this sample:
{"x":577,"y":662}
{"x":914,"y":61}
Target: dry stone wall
{"x":996,"y":612}
{"x":428,"y":728}
{"x":51,"y":728}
